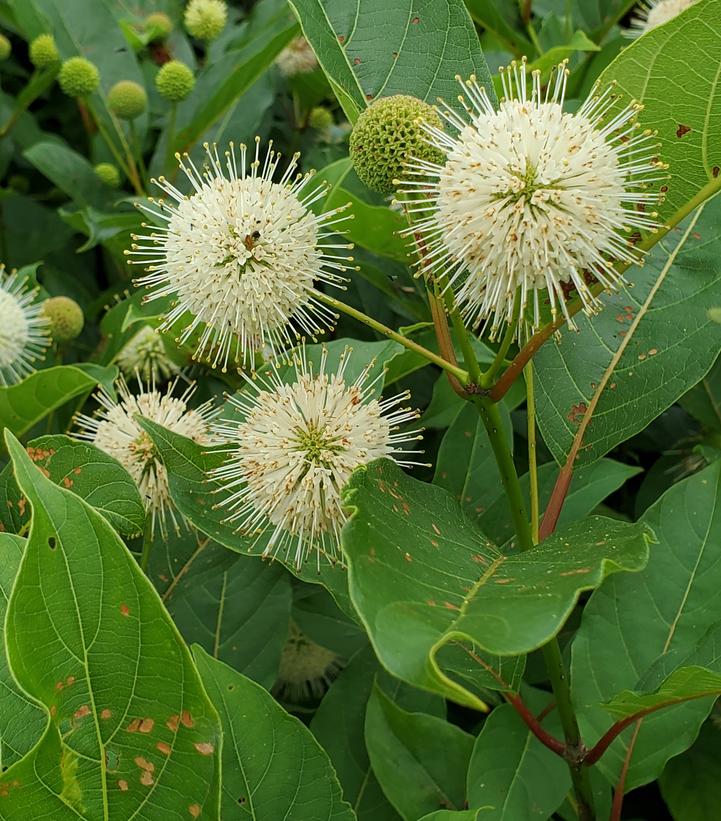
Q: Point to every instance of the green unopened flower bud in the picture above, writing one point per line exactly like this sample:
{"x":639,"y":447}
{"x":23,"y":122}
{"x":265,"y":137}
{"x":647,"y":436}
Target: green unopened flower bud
{"x":160,"y":23}
{"x":174,"y":81}
{"x":127,"y":99}
{"x":66,"y":318}
{"x":387,"y":135}
{"x":78,"y":77}
{"x":320,"y":118}
{"x":205,"y":19}
{"x":5,"y":47}
{"x":108,"y":174}
{"x":43,"y":51}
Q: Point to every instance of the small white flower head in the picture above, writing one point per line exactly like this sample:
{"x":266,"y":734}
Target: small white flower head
{"x":531,"y":198}
{"x":115,"y":431}
{"x":241,"y":255}
{"x":24,"y":329}
{"x":145,"y":357}
{"x":294,"y":450}
{"x":297,"y":58}
{"x":653,"y":13}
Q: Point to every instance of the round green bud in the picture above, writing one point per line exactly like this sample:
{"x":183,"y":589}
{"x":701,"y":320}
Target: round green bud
{"x":108,"y":174}
{"x":387,"y":135}
{"x":78,"y":77}
{"x":205,"y":19}
{"x":161,"y":23}
{"x":174,"y":81}
{"x":66,"y":318}
{"x":127,"y":99}
{"x":19,"y":183}
{"x":43,"y":51}
{"x":5,"y":47}
{"x":320,"y":118}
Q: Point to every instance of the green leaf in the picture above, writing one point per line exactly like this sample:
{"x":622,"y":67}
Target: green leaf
{"x":511,"y":775}
{"x":25,"y":404}
{"x":578,"y":42}
{"x":89,"y":639}
{"x":631,"y":622}
{"x":272,"y":766}
{"x":409,"y":47}
{"x":502,"y":18}
{"x":649,"y":345}
{"x":21,"y":720}
{"x":70,"y":172}
{"x":421,"y":576}
{"x":674,"y":71}
{"x":419,"y":760}
{"x":691,"y":783}
{"x":703,"y":401}
{"x":235,"y":607}
{"x":88,"y":472}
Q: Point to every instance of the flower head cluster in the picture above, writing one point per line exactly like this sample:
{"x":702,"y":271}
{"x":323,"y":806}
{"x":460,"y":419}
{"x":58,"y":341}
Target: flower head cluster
{"x":653,"y":13}
{"x":294,"y":450}
{"x":24,"y":330}
{"x":115,"y":431}
{"x":532,"y":200}
{"x":241,"y":255}
{"x":306,"y":668}
{"x":146,"y":358}
{"x":297,"y":58}
{"x":205,"y":19}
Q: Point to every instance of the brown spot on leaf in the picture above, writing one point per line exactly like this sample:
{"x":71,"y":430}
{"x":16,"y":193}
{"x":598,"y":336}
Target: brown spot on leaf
{"x":146,"y":778}
{"x":144,"y":764}
{"x":682,"y":130}
{"x":204,"y":747}
{"x":579,"y":571}
{"x":450,"y":606}
{"x":172,"y":723}
{"x":435,"y":529}
{"x":356,"y":61}
{"x":715,"y":171}
{"x":124,"y":610}
{"x":146,"y":725}
{"x":67,"y":481}
{"x":163,"y":747}
{"x":82,"y":712}
{"x":434,"y":543}
{"x":105,"y":713}
{"x":186,"y":719}
{"x":575,"y":415}
{"x":134,"y":726}
{"x":123,"y":785}
{"x":408,"y":557}
{"x":341,"y":38}
{"x":77,"y":471}
{"x":194,"y":810}
{"x":503,"y":581}
{"x":416,"y":21}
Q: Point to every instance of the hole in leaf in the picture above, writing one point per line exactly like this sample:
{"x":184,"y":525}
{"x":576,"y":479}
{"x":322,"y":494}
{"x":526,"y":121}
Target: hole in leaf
{"x":52,"y":542}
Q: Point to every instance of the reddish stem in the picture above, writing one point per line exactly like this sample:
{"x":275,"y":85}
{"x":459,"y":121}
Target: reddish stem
{"x":620,"y":786}
{"x":555,"y":503}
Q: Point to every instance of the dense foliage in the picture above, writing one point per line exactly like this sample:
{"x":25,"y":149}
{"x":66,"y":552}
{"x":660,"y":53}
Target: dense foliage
{"x":234,"y":581}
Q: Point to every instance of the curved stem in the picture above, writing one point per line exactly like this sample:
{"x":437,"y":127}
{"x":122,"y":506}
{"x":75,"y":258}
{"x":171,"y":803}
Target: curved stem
{"x":337,"y":305}
{"x":506,"y":342}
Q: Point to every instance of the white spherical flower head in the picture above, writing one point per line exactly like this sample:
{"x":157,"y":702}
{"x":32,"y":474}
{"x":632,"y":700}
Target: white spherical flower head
{"x":115,"y":431}
{"x":241,"y":255}
{"x":297,"y":58}
{"x":24,"y":330}
{"x":532,"y":198}
{"x":653,"y":13}
{"x":296,"y":448}
{"x":145,"y":357}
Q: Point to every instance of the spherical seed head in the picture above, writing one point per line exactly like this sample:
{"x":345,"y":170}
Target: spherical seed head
{"x":300,"y":439}
{"x":174,"y":81}
{"x":205,"y":19}
{"x":78,"y":77}
{"x":108,"y":174}
{"x":306,"y":669}
{"x":43,"y":51}
{"x":653,"y":13}
{"x":531,"y":199}
{"x":127,"y":99}
{"x":320,"y":118}
{"x":387,"y":135}
{"x":5,"y":47}
{"x":23,"y":331}
{"x":240,"y":256}
{"x":145,"y":357}
{"x":115,"y":431}
{"x":65,"y":316}
{"x":161,"y":23}
{"x":297,"y":58}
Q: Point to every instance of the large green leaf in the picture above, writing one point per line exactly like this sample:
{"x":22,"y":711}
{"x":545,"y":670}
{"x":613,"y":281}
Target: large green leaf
{"x":674,"y":70}
{"x":408,"y":47}
{"x":70,"y":171}
{"x":419,"y":760}
{"x":235,"y":607}
{"x":703,"y":401}
{"x":273,"y":768}
{"x":633,"y":621}
{"x":421,"y":576}
{"x":25,"y":404}
{"x":511,"y":774}
{"x":85,"y":470}
{"x":651,"y":344}
{"x":21,"y":720}
{"x":691,"y":783}
{"x":88,"y":637}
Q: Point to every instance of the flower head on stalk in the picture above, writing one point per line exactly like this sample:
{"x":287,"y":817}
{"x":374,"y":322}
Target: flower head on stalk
{"x":531,"y":200}
{"x":145,"y":356}
{"x":653,"y":13}
{"x":294,"y":450}
{"x":24,"y":330}
{"x":115,"y":431}
{"x":241,"y":254}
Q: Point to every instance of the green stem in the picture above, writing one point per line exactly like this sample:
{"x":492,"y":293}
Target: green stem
{"x":337,"y":305}
{"x":469,"y":355}
{"x":138,"y":149}
{"x":147,"y":543}
{"x":170,"y":139}
{"x":506,"y":342}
